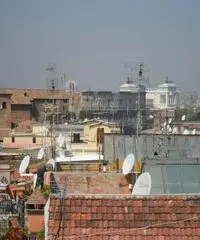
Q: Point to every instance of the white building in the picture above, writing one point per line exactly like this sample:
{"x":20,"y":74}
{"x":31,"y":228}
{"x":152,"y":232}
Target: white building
{"x":165,"y":96}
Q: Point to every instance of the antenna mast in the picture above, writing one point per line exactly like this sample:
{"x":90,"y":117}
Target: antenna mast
{"x":139,"y":116}
{"x":52,"y":84}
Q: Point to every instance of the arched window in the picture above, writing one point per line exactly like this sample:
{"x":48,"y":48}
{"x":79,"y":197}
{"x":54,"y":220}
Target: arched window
{"x":3,"y":105}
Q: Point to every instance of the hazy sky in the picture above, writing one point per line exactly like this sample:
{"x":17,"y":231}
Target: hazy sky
{"x":91,"y":40}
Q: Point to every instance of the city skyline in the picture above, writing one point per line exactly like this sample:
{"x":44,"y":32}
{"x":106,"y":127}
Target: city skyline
{"x":91,"y":41}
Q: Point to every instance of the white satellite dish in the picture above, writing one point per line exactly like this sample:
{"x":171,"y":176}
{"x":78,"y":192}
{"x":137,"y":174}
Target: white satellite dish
{"x":34,"y":180}
{"x":193,"y":131}
{"x":186,"y":132}
{"x":128,"y":164}
{"x":175,"y":130}
{"x":183,"y":118}
{"x":24,"y":164}
{"x":170,"y":130}
{"x":142,"y":185}
{"x":40,"y":153}
{"x":51,"y":164}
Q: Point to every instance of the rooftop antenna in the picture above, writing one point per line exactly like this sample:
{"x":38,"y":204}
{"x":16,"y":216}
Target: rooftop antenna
{"x":140,"y":69}
{"x":52,"y":82}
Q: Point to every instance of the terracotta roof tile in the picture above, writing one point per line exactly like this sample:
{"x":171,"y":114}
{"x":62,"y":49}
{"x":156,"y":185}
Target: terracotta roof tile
{"x":36,"y":198}
{"x":124,"y":217}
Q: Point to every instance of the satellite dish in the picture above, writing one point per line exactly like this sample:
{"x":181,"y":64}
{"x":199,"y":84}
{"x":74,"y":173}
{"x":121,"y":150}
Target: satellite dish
{"x":193,"y":131}
{"x":34,"y":180}
{"x":40,"y":153}
{"x":183,"y":118}
{"x":128,"y":164}
{"x":24,"y":164}
{"x":186,"y":132}
{"x":50,"y":165}
{"x":175,"y":130}
{"x":170,"y":130}
{"x":142,"y":185}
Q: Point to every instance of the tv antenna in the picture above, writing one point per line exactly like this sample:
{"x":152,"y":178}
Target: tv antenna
{"x":140,"y":67}
{"x":52,"y":80}
{"x":52,"y":109}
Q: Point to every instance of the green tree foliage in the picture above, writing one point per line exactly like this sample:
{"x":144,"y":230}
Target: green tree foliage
{"x":41,"y":234}
{"x":192,"y":114}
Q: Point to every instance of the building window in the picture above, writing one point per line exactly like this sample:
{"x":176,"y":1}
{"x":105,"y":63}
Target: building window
{"x":150,"y":102}
{"x":163,"y":99}
{"x":3,"y":105}
{"x":13,"y":139}
{"x":34,"y":139}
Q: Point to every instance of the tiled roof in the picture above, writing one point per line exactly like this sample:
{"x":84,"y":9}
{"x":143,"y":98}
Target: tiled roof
{"x":115,"y":217}
{"x":36,"y":198}
{"x":15,"y":235}
{"x":25,"y":96}
{"x":15,"y":232}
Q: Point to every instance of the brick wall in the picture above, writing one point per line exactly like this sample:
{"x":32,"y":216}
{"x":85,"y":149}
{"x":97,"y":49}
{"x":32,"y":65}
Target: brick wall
{"x":124,"y":217}
{"x":20,"y":113}
{"x":5,"y":113}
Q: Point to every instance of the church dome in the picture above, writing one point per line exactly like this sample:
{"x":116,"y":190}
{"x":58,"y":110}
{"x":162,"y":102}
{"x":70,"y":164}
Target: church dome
{"x":167,"y":84}
{"x":129,"y":86}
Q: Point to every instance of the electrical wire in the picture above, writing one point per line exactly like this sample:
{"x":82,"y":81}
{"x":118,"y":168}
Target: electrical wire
{"x":133,"y":229}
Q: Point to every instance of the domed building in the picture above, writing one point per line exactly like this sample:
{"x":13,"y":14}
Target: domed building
{"x":165,"y":96}
{"x":129,"y":86}
{"x":128,"y":95}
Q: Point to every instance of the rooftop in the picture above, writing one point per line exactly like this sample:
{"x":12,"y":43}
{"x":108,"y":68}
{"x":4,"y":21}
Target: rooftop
{"x":25,"y":96}
{"x":89,"y":183}
{"x":36,"y":198}
{"x":120,"y":217}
